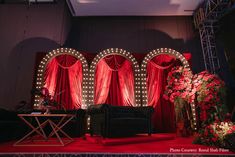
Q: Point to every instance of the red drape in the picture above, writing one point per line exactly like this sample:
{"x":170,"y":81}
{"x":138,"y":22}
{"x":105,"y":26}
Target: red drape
{"x":63,"y":79}
{"x":157,"y":72}
{"x":114,"y":81}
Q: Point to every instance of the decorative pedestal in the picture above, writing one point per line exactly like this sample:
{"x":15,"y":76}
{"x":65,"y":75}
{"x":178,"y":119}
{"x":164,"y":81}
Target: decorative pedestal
{"x":38,"y":136}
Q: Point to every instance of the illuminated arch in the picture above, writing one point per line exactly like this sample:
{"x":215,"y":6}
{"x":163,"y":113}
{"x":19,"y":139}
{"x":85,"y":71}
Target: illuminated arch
{"x":48,"y":57}
{"x":150,"y":56}
{"x":127,"y":55}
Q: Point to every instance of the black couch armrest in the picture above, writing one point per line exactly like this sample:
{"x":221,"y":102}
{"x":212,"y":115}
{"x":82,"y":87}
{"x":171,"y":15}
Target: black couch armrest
{"x":96,"y":109}
{"x":129,"y":111}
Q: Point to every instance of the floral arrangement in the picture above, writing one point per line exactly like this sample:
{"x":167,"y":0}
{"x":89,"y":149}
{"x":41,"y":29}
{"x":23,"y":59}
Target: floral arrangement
{"x":179,"y":85}
{"x":178,"y":90}
{"x":210,"y":93}
{"x":215,"y":121}
{"x":207,"y":91}
{"x":215,"y":134}
{"x":47,"y":99}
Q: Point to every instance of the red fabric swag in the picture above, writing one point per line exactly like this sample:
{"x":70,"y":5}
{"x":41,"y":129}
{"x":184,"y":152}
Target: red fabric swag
{"x":63,"y":79}
{"x":114,"y":81}
{"x":157,"y":72}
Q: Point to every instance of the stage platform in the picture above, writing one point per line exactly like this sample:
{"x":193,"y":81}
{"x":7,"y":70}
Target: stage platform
{"x":141,"y":145}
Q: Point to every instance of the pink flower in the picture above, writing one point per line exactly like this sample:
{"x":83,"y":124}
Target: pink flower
{"x":211,"y":131}
{"x":214,"y":139}
{"x":165,"y":96}
{"x":230,"y":131}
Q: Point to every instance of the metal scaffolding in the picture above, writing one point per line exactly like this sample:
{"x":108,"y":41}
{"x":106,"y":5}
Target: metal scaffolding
{"x":205,"y":19}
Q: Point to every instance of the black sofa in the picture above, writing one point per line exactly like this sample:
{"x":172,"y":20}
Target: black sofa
{"x":119,"y":121}
{"x":13,"y":128}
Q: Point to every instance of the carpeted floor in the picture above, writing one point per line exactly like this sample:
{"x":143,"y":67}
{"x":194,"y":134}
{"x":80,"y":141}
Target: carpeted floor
{"x":157,"y":143}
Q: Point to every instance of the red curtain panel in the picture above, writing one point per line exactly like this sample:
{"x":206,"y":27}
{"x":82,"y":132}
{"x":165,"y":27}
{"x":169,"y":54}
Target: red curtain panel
{"x":157,"y":72}
{"x":63,"y":79}
{"x":114,"y":81}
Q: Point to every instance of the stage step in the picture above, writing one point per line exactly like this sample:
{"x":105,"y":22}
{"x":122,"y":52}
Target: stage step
{"x":130,"y":140}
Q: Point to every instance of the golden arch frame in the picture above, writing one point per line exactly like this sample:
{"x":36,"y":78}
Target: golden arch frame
{"x":127,"y":55}
{"x":153,"y":54}
{"x":48,"y":57}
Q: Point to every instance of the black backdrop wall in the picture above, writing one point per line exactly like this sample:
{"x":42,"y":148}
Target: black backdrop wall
{"x":226,"y":46}
{"x":136,"y":34}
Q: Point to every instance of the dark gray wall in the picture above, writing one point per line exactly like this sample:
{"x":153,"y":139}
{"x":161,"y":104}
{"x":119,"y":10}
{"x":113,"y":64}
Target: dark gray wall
{"x":136,"y":34}
{"x":24,"y":31}
{"x":225,"y":45}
